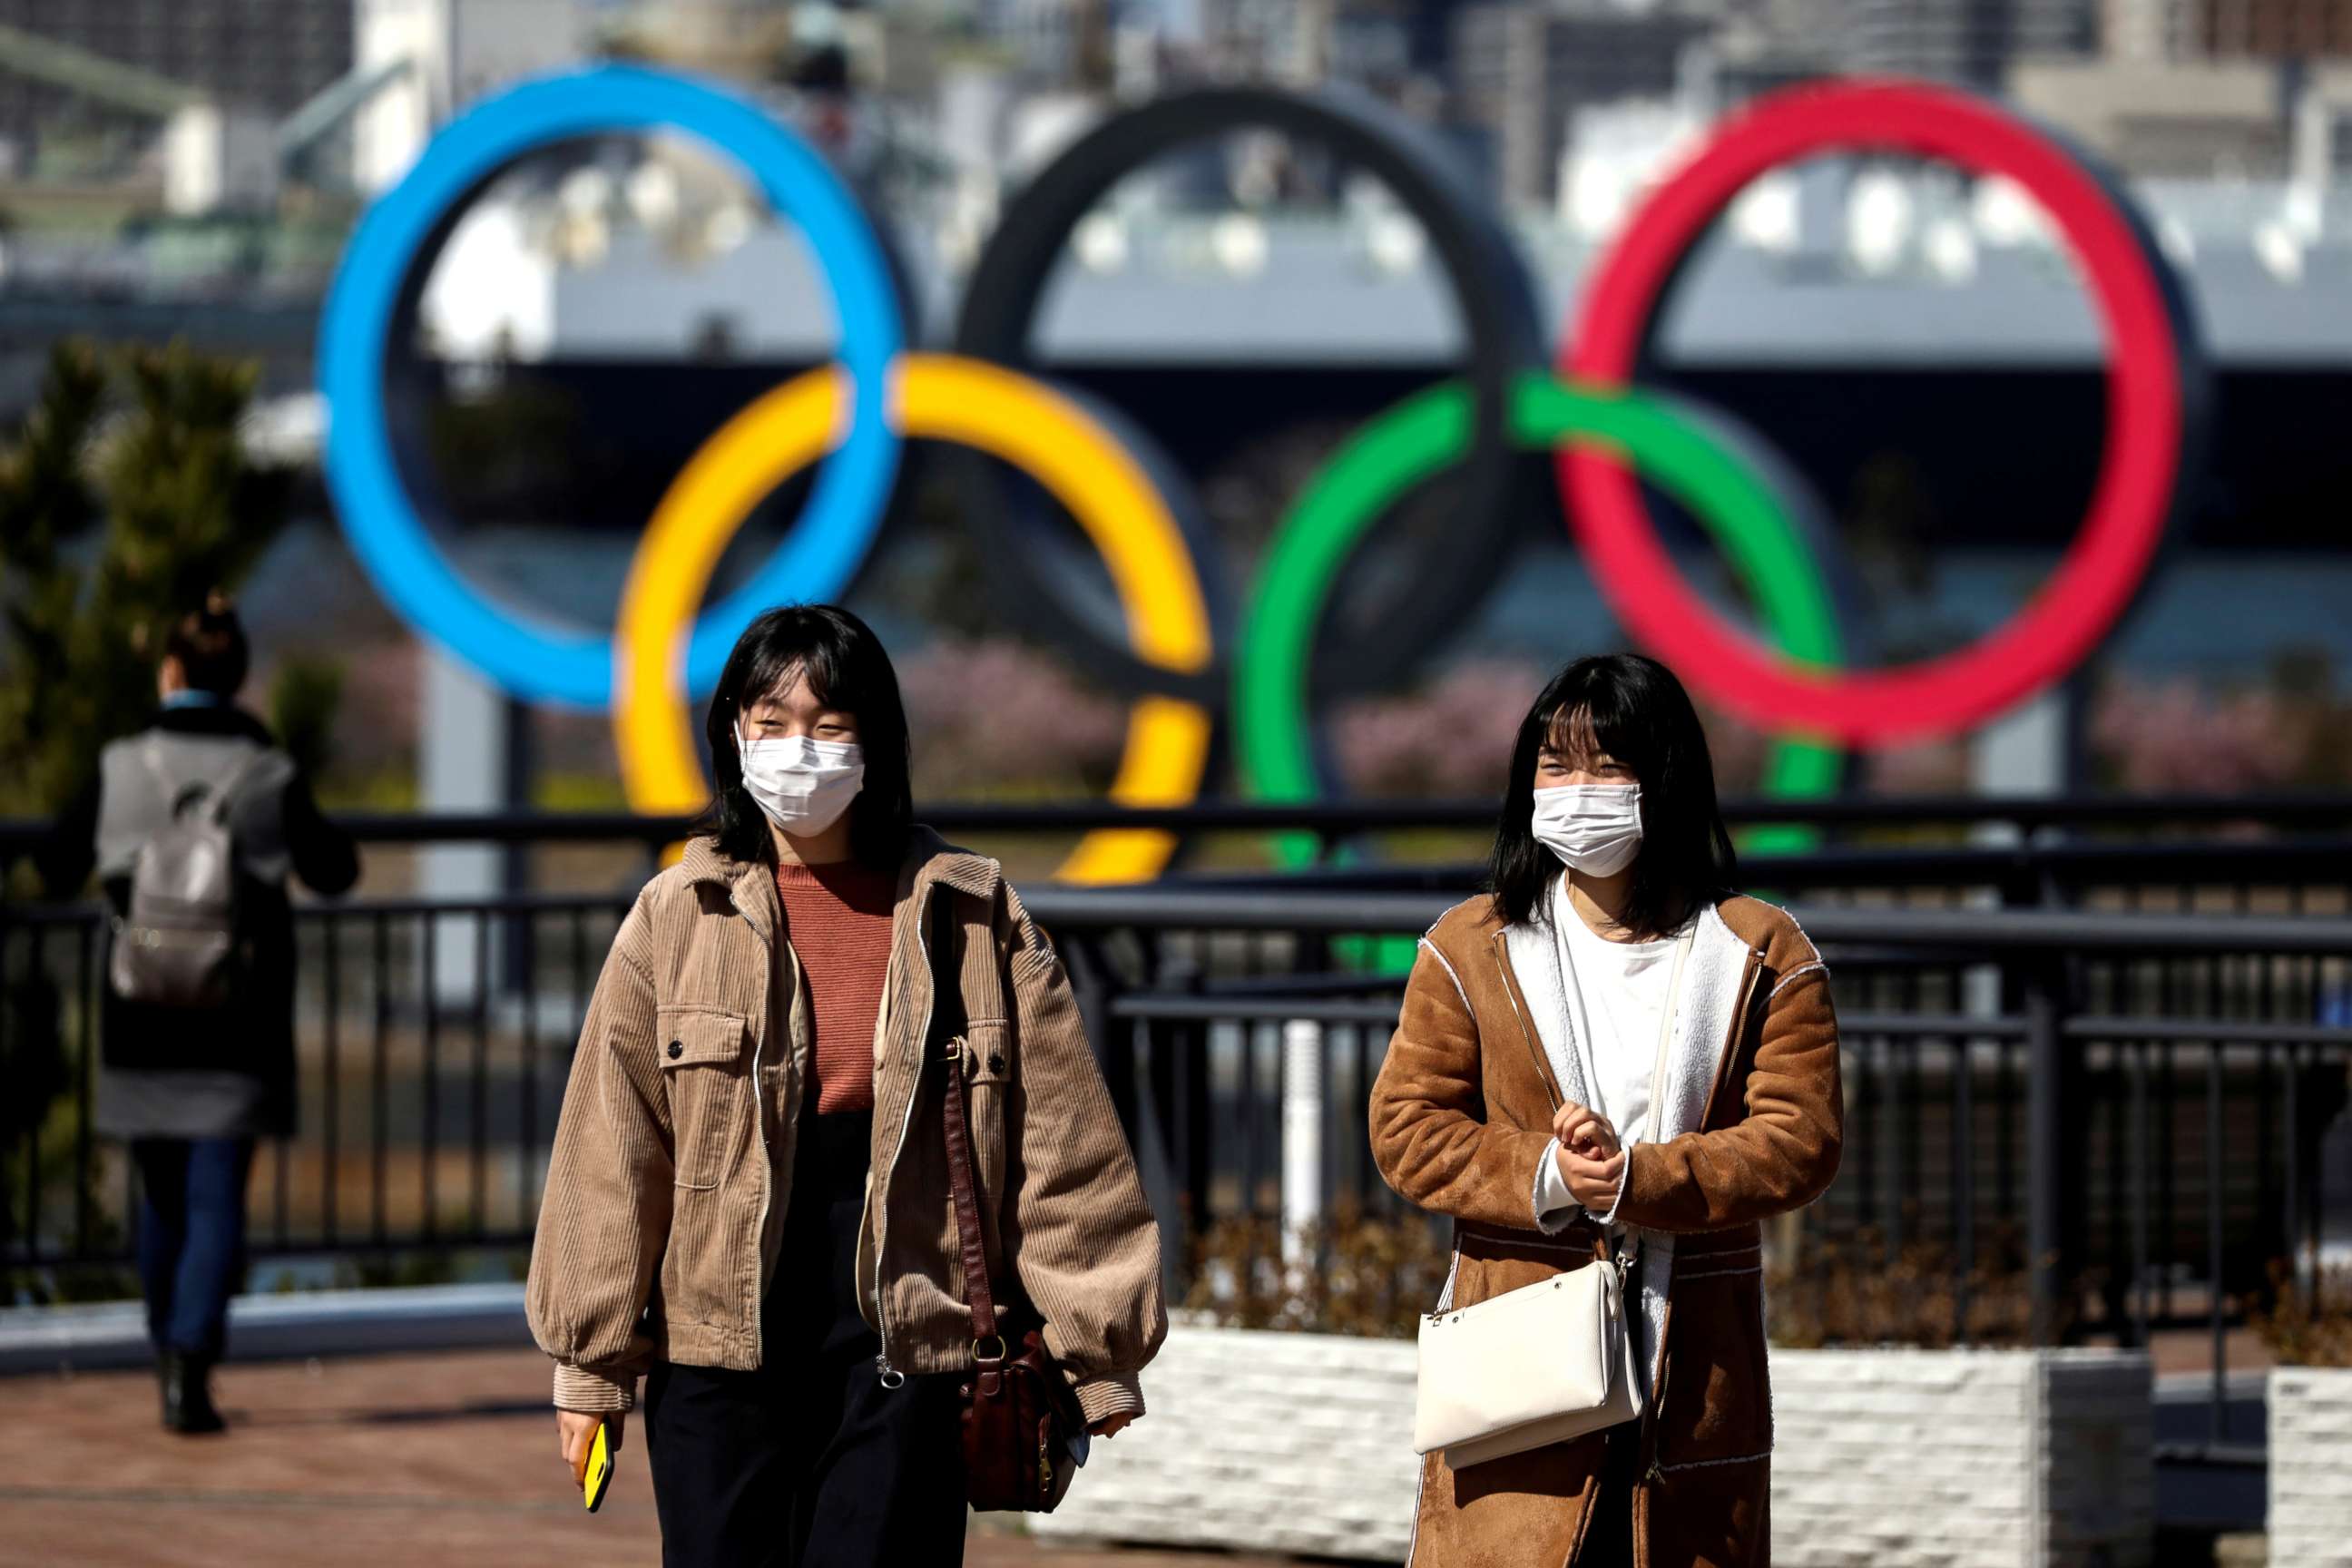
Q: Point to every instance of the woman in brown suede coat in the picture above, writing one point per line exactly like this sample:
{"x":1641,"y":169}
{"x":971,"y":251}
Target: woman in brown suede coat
{"x":1611,"y":821}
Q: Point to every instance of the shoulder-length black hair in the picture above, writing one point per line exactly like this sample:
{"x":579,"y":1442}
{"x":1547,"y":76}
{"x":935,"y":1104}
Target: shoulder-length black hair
{"x":1638,"y":713}
{"x":845,"y":668}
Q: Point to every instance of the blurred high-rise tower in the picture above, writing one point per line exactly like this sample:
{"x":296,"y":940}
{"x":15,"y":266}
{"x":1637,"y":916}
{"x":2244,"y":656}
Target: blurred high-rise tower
{"x":2191,"y":88}
{"x":1970,"y":42}
{"x":2271,"y":30}
{"x":457,"y":50}
{"x":264,"y":55}
{"x":1521,"y":70}
{"x":2145,"y":30}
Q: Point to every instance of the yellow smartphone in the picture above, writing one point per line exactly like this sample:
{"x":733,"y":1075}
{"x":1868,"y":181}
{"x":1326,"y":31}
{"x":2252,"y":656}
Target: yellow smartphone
{"x":599,"y":1473}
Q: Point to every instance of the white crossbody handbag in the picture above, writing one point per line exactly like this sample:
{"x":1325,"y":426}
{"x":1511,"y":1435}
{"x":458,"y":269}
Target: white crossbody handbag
{"x":1547,"y":1361}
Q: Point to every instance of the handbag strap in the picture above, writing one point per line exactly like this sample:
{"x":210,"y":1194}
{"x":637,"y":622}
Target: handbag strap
{"x":1565,"y":912}
{"x":956,"y":1116}
{"x":1666,"y":1023}
{"x":1633,"y":1244}
{"x":1665,"y":1030}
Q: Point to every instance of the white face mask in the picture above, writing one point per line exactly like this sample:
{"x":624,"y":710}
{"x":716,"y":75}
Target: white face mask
{"x":803,"y":785}
{"x":1593,"y":828}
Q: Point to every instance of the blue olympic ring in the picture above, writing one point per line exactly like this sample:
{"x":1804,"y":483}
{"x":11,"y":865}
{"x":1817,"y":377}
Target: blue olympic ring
{"x":393,"y":540}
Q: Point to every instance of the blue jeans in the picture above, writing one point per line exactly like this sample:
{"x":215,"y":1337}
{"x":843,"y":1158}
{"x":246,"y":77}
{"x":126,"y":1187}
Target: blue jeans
{"x":190,"y":1238}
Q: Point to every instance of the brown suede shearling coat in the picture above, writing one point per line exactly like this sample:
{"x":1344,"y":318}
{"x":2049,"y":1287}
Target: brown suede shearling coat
{"x":1461,"y":1118}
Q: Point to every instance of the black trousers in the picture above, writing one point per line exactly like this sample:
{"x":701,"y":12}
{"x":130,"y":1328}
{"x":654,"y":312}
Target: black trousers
{"x":1608,"y":1539}
{"x":808,"y":1462}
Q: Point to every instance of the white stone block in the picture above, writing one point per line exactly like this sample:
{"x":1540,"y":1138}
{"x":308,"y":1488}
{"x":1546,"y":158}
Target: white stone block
{"x":2311,"y":1467}
{"x":1894,"y":1458}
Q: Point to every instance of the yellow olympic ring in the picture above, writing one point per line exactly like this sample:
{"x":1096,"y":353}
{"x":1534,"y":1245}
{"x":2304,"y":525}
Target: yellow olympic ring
{"x":946,"y":398}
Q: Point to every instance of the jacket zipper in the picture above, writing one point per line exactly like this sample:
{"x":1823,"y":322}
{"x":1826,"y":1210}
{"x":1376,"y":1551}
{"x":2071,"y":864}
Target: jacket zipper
{"x":1621,"y":1263}
{"x":1655,"y":1473}
{"x":760,"y":1119}
{"x":890,"y":1375}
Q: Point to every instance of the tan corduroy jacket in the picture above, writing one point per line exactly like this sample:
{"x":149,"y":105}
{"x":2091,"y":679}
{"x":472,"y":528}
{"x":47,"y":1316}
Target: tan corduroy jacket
{"x":1750,"y":1124}
{"x":673,"y":1159}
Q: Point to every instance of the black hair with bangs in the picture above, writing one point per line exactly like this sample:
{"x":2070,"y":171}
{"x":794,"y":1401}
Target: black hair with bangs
{"x":1632,"y":707}
{"x":845,"y":668}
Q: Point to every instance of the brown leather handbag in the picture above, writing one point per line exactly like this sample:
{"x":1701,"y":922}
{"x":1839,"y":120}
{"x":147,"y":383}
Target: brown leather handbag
{"x":1019,"y":1412}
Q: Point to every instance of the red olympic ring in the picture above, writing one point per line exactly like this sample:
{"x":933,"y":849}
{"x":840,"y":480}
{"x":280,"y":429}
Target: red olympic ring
{"x":2103,"y":567}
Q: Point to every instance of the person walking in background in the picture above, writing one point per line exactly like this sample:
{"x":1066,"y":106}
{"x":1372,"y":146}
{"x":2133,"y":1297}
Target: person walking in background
{"x":1522,"y":1095}
{"x":803,"y":1031}
{"x":196,"y":1029}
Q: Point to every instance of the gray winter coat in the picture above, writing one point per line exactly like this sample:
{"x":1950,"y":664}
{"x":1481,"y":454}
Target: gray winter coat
{"x":229,"y":1073}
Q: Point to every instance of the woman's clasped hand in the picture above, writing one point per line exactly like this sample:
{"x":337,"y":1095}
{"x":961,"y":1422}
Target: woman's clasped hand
{"x":1590,"y":1160}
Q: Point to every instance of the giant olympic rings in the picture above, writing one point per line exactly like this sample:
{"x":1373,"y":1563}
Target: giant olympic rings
{"x":376,"y":288}
{"x":2153,"y":390}
{"x":1501,"y":324}
{"x":1770,"y":547}
{"x":1141,"y":519}
{"x":996,"y":411}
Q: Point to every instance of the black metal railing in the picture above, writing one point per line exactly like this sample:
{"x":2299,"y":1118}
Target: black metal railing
{"x":432,"y":1072}
{"x":2117,"y":1111}
{"x":1935,"y":838}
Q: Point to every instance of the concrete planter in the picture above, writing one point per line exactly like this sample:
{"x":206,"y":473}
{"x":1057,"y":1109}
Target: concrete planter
{"x":1269,"y":1442}
{"x":2311,"y":1467}
{"x":1300,"y":1443}
{"x":2010,"y":1457}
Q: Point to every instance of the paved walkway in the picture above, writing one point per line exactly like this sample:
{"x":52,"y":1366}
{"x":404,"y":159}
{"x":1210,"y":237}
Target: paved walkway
{"x":449,"y":1460}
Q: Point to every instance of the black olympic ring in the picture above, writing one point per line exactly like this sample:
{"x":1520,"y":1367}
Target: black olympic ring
{"x":1497,"y":297}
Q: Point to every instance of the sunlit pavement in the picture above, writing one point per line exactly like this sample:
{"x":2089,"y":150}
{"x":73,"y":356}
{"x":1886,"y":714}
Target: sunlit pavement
{"x":449,"y":1460}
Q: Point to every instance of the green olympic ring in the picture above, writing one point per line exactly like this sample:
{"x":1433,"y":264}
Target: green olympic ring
{"x":1419,"y":437}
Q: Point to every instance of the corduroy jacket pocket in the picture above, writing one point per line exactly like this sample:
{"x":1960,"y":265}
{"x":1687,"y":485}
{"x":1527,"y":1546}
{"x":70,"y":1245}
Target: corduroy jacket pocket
{"x":988,"y":1076}
{"x":706,"y":1066}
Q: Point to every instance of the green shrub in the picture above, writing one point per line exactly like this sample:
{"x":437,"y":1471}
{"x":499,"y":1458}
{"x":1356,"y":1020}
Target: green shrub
{"x":1357,"y":1274}
{"x":2309,"y":1325}
{"x":1849,"y":1292}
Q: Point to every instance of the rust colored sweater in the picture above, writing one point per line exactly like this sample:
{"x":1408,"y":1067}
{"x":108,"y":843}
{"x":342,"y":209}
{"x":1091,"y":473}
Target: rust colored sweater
{"x":838,"y":919}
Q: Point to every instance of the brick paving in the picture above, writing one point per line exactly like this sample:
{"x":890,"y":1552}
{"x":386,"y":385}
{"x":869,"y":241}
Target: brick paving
{"x":446,"y":1460}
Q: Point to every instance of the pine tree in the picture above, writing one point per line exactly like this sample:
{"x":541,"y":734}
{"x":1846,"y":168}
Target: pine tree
{"x":124,"y":500}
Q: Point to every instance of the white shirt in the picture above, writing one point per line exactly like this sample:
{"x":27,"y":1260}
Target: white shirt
{"x":1617,"y":999}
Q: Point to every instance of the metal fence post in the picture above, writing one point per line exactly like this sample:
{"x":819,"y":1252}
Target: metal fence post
{"x":8,"y":1051}
{"x":1128,"y":1058}
{"x":1152,"y":1164}
{"x":1302,"y":1137}
{"x":2045,"y":1145}
{"x":1090,"y":984}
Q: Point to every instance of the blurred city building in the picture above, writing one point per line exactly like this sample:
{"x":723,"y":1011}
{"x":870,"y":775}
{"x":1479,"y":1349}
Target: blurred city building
{"x":1974,"y":43}
{"x":2267,"y":29}
{"x":264,"y":147}
{"x":1523,"y":72}
{"x":85,"y":87}
{"x":636,"y":251}
{"x":447,"y":54}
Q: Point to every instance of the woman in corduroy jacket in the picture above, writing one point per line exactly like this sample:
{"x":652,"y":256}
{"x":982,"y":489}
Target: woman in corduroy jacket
{"x":750,"y":1203}
{"x":1555,"y":989}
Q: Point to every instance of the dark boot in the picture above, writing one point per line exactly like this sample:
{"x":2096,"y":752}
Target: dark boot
{"x":187,"y":1394}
